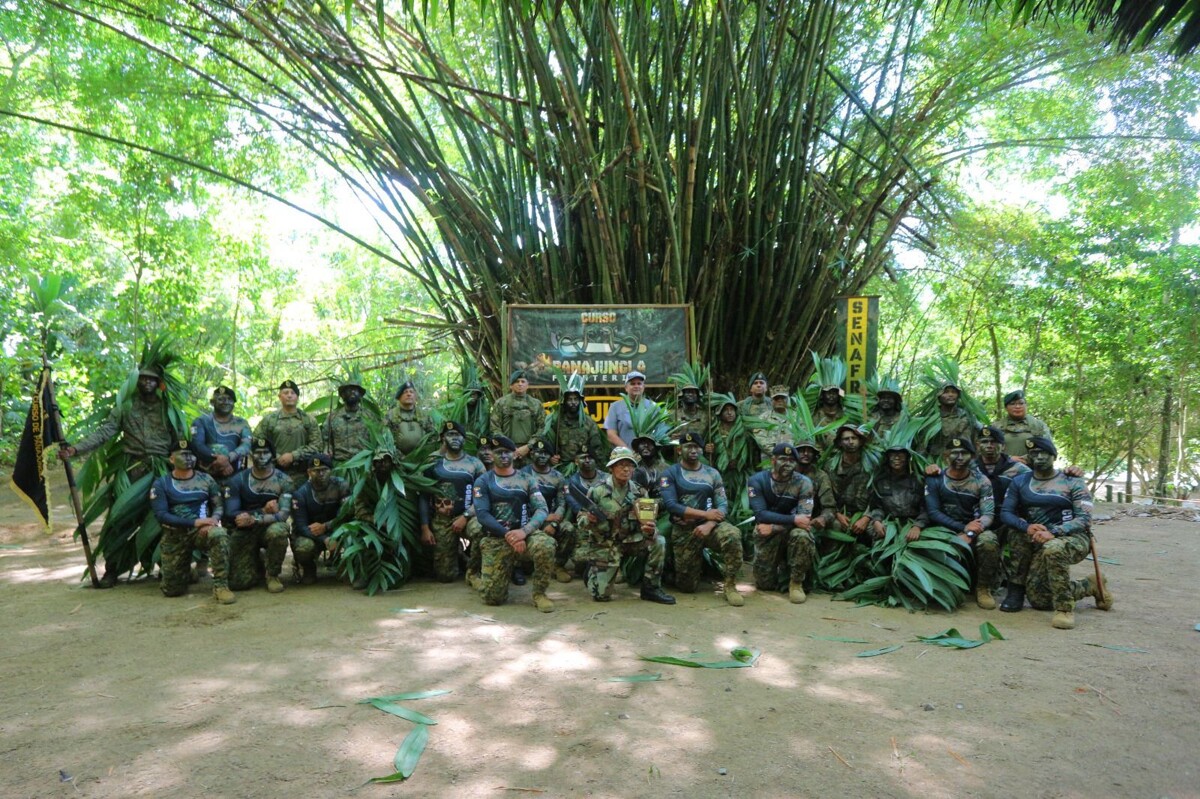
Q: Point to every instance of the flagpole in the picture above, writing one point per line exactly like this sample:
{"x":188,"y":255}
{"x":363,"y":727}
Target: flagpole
{"x":76,"y":499}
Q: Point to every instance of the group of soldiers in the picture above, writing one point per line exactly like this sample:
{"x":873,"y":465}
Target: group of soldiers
{"x":533,"y":502}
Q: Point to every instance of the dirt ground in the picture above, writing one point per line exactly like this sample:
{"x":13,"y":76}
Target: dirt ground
{"x":124,"y":693}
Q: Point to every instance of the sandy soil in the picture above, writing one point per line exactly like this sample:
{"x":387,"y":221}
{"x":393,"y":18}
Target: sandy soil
{"x":124,"y":693}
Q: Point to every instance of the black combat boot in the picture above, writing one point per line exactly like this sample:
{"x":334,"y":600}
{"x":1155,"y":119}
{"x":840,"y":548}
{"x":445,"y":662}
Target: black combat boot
{"x":1014,"y":600}
{"x":652,"y":593}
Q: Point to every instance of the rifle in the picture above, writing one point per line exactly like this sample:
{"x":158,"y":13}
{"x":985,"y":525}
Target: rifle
{"x":1096,"y":563}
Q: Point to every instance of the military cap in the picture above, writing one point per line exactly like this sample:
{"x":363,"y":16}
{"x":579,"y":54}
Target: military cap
{"x":289,"y":384}
{"x":806,"y":444}
{"x":853,"y":428}
{"x":350,"y":384}
{"x":783,"y":448}
{"x":1013,"y":396}
{"x":990,"y":433}
{"x":891,"y":391}
{"x":897,"y":447}
{"x":405,"y":386}
{"x":633,"y":375}
{"x":503,"y":442}
{"x":621,"y":454}
{"x":319,"y":460}
{"x":451,"y":426}
{"x":841,"y":391}
{"x":692,"y":438}
{"x":541,"y":445}
{"x":262,"y":443}
{"x":224,"y":391}
{"x":148,"y":371}
{"x":754,"y":378}
{"x":960,"y":443}
{"x":1042,"y":443}
{"x":779,"y":391}
{"x":689,"y":387}
{"x":485,"y":441}
{"x":517,"y":374}
{"x":179,"y":446}
{"x":949,"y":385}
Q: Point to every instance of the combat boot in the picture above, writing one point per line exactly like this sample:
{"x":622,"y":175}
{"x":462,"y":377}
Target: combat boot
{"x":1063,"y":620}
{"x":731,"y":594}
{"x":1014,"y":600}
{"x":543,"y":603}
{"x":654,"y":593}
{"x":983,"y":598}
{"x":518,"y":576}
{"x":274,"y":584}
{"x":474,"y":581}
{"x":224,"y":595}
{"x":1107,"y":602}
{"x":107,"y":580}
{"x":562,"y":575}
{"x":796,"y":593}
{"x":308,"y":573}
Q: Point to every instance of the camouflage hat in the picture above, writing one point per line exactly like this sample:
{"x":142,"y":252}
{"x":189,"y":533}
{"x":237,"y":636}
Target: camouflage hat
{"x":350,"y":384}
{"x":754,"y":378}
{"x":806,"y":444}
{"x":960,"y":443}
{"x":1013,"y":396}
{"x":474,"y":387}
{"x":541,"y":445}
{"x":889,"y":391}
{"x":262,"y":443}
{"x":383,"y":454}
{"x":853,"y":428}
{"x":621,"y":454}
{"x":692,"y":438}
{"x":649,"y":438}
{"x":1042,"y":443}
{"x":841,"y":391}
{"x":148,"y":371}
{"x":990,"y":433}
{"x":405,"y":386}
{"x":451,"y":426}
{"x":224,"y":391}
{"x":780,"y":391}
{"x":503,"y":442}
{"x":320,"y":460}
{"x":574,"y":385}
{"x":289,"y":384}
{"x":949,"y":385}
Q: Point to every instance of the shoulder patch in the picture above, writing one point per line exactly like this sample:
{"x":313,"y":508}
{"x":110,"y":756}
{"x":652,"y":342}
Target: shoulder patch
{"x":153,"y":493}
{"x":664,"y":482}
{"x":751,"y":491}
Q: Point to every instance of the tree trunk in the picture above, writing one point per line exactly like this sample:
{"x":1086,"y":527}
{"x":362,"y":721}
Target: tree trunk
{"x":1164,"y":443}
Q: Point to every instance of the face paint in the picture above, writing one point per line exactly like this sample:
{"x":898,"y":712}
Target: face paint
{"x":184,"y":460}
{"x":691,"y":453}
{"x":897,"y":461}
{"x":504,"y":457}
{"x":147,"y":385}
{"x":805,"y":456}
{"x":949,"y":397}
{"x":572,"y":402}
{"x":690,"y":396}
{"x":886,"y":403}
{"x":646,"y":449}
{"x":586,"y":464}
{"x":1041,"y":460}
{"x":261,"y":458}
{"x":784,"y":465}
{"x":958,"y":459}
{"x":352,"y":396}
{"x":541,"y":459}
{"x":453,"y":441}
{"x":830,"y":398}
{"x":222,"y":405}
{"x":486,"y":456}
{"x":319,"y":477}
{"x":989,"y":450}
{"x":728,"y":413}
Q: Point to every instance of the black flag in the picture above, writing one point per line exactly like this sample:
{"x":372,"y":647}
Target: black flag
{"x":30,"y":478}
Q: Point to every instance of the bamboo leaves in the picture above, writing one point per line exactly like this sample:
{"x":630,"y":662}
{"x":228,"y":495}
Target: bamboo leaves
{"x":743,"y":657}
{"x":413,"y":747}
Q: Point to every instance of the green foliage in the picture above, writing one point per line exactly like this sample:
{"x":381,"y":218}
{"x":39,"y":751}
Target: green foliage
{"x":895,"y":572}
{"x":743,"y":657}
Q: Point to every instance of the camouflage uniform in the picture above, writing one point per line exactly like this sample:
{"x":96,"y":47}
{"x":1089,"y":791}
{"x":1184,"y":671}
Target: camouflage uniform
{"x":768,"y":437}
{"x":824,"y":501}
{"x":1016,"y":433}
{"x":851,"y":487}
{"x":754,"y":407}
{"x":894,"y":496}
{"x":615,"y":535}
{"x":309,"y":506}
{"x":956,"y":423}
{"x":880,"y":423}
{"x":409,"y":427}
{"x":569,"y":438}
{"x":502,"y":504}
{"x":691,"y":422}
{"x":177,"y":504}
{"x":1063,"y":504}
{"x":518,"y":418}
{"x":788,"y":548}
{"x":553,"y":488}
{"x":830,"y":419}
{"x":296,"y":433}
{"x":702,"y":489}
{"x":249,"y":494}
{"x":212,"y":437}
{"x":954,"y":504}
{"x":455,"y":479}
{"x":346,"y":432}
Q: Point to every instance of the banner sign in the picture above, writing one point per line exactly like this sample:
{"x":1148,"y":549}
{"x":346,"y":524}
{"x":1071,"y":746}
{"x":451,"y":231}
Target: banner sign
{"x":601,"y":342}
{"x":858,"y":339}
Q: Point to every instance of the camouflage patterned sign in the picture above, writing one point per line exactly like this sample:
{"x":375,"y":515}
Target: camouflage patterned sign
{"x":601,"y":342}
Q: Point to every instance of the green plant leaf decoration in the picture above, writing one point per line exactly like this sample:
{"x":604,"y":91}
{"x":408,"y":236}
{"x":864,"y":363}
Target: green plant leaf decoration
{"x":638,"y":678}
{"x":744,"y":657}
{"x":403,"y":712}
{"x":408,"y":755}
{"x":870,"y":653}
{"x":408,"y":696}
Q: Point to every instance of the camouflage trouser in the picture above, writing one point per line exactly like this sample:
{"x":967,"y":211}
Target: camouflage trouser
{"x":177,"y":545}
{"x":447,"y":545}
{"x":688,"y":548}
{"x":1048,"y":584}
{"x":307,"y":548}
{"x":245,"y":561}
{"x":499,"y":559}
{"x":566,"y":540}
{"x":474,"y":552}
{"x":603,"y":559}
{"x":785,"y":555}
{"x":987,"y":558}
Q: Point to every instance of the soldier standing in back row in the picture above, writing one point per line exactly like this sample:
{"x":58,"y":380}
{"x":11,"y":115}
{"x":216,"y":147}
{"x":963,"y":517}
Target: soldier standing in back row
{"x":1018,"y":426}
{"x":953,"y":422}
{"x":569,"y":429}
{"x":756,"y":404}
{"x":518,"y":416}
{"x":408,"y":423}
{"x":292,"y":433}
{"x":346,"y":432}
{"x":221,"y":440}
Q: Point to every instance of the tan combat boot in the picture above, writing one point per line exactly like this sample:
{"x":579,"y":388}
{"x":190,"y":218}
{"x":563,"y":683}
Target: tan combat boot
{"x":796,"y":593}
{"x":1102,"y":588}
{"x":543,"y":603}
{"x":731,"y":594}
{"x":224,"y":595}
{"x":474,"y":581}
{"x":274,"y":584}
{"x":562,"y":575}
{"x":983,"y":598}
{"x":1063,"y":620}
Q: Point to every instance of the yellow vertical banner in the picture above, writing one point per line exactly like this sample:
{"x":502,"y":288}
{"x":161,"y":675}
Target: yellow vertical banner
{"x":858,"y":335}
